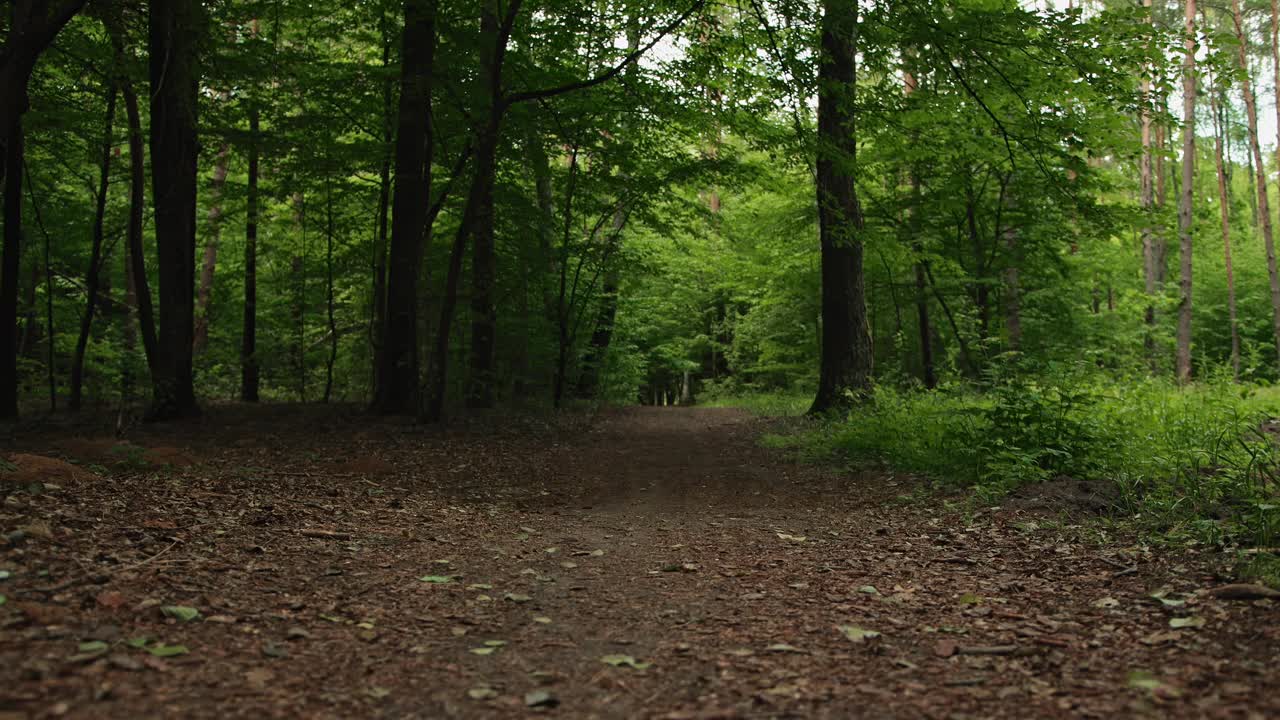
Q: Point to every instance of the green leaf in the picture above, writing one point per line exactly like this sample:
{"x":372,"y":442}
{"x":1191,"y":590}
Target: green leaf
{"x":624,"y":661}
{"x":1186,"y":622}
{"x":162,"y":650}
{"x":93,"y":646}
{"x":437,"y":579}
{"x":857,"y":634}
{"x":482,"y":650}
{"x":138,"y":642}
{"x":182,"y":613}
{"x":3,"y":599}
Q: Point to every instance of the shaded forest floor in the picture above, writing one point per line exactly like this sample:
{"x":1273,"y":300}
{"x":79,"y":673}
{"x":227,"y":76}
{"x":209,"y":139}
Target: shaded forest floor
{"x":649,"y":563}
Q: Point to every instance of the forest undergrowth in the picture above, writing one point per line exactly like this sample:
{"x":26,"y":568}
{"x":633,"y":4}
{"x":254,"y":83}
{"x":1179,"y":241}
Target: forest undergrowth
{"x":1188,"y":465}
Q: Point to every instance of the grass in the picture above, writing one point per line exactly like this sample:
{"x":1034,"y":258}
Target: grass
{"x":1188,"y":464}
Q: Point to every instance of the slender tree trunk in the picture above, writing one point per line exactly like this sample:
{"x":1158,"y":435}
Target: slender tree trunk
{"x":563,"y":341}
{"x":333,"y":325}
{"x":175,"y":28}
{"x":981,"y":292}
{"x":1147,"y":201}
{"x":1224,"y":211}
{"x":249,"y":366}
{"x":438,"y":370}
{"x":1185,"y":203}
{"x":210,"y":262}
{"x":137,"y":206}
{"x":397,"y":378}
{"x":846,"y":340}
{"x":928,"y":371}
{"x":1264,"y":209}
{"x":384,"y":204}
{"x":91,"y":281}
{"x":298,"y":313}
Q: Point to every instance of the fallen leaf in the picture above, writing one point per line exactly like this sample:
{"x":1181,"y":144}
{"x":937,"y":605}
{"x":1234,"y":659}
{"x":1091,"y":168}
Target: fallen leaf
{"x":1106,"y":602}
{"x":517,"y":598}
{"x":857,"y":634}
{"x":792,"y":538}
{"x":482,"y":693}
{"x":540,"y":699}
{"x":162,"y":650}
{"x":624,"y":661}
{"x":1195,"y":622}
{"x":437,"y":579}
{"x":181,"y":613}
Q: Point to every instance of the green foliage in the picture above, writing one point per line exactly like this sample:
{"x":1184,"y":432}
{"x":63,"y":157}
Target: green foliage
{"x":1188,"y":463}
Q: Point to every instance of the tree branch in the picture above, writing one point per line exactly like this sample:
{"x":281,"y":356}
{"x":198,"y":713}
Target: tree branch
{"x":611,"y":72}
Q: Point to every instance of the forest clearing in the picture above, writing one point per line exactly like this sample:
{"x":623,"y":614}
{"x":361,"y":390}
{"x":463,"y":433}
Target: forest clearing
{"x":639,"y":358}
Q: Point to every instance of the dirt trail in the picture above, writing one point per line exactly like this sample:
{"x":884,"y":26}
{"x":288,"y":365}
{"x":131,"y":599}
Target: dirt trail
{"x":651,"y":563}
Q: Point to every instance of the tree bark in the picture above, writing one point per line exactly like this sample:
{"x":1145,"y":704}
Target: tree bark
{"x":1150,"y":240}
{"x":33,"y":25}
{"x":1186,"y":220}
{"x":175,"y":27}
{"x":1224,"y":211}
{"x":137,"y":206}
{"x":91,"y":282}
{"x":333,"y":325}
{"x":846,"y":364}
{"x":1260,"y":175}
{"x":397,"y":382}
{"x":384,"y":205}
{"x":9,"y":267}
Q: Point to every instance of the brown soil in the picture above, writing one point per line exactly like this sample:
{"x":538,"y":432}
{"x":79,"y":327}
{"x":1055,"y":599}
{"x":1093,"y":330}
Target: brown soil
{"x":29,"y":469}
{"x":740,"y":583}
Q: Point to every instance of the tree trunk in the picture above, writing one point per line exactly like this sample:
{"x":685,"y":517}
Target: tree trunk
{"x":1147,"y":202}
{"x":95,"y":254}
{"x":333,"y":326}
{"x":846,"y":362}
{"x":484,"y":316}
{"x":1260,"y":175}
{"x":438,"y":369}
{"x":1224,"y":211}
{"x":175,"y":28}
{"x":1185,"y":207}
{"x":249,"y":366}
{"x":384,"y":204}
{"x":396,"y":388}
{"x":9,"y":267}
{"x":137,"y":207}
{"x":1012,"y":281}
{"x":210,"y":262}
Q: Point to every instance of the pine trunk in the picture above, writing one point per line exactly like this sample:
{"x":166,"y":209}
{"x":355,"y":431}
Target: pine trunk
{"x":1224,"y":210}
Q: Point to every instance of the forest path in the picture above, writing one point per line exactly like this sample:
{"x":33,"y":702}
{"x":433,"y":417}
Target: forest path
{"x":646,"y":563}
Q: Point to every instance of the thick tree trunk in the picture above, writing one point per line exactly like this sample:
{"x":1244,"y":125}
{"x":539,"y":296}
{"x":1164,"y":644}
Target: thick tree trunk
{"x":382,"y":235}
{"x":210,"y":262}
{"x":91,"y":281}
{"x":1186,"y":200}
{"x":397,"y":388}
{"x":1224,"y":211}
{"x":484,"y":316}
{"x":9,"y":267}
{"x":32,"y":27}
{"x":249,"y":366}
{"x":845,"y":374}
{"x":1264,"y":208}
{"x":175,"y":28}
